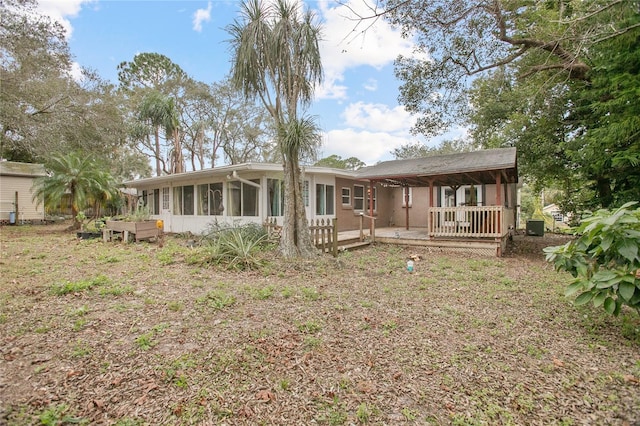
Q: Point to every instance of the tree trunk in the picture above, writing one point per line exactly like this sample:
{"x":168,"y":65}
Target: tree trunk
{"x":296,"y":238}
{"x":604,"y":191}
{"x":157,"y":153}
{"x":177,"y":153}
{"x":74,"y":213}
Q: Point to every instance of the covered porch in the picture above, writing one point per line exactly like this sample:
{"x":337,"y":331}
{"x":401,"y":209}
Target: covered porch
{"x":451,"y":223}
{"x":484,"y":231}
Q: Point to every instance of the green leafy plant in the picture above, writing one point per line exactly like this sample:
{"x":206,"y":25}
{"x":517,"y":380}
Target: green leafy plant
{"x":78,"y":286}
{"x":236,"y":247}
{"x":604,"y":259}
{"x":59,"y":415}
{"x":217,"y":299}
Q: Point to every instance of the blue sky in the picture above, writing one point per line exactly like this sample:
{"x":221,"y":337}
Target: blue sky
{"x":356,"y":106}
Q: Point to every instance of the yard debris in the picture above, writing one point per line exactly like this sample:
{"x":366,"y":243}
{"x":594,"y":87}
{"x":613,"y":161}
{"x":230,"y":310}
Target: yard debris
{"x":329,"y":342}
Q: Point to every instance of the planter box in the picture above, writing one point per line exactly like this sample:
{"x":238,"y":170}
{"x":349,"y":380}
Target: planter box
{"x":140,"y":230}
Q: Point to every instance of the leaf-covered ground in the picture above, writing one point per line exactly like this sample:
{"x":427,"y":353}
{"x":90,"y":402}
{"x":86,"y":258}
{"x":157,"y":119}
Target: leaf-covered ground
{"x":134,"y":334}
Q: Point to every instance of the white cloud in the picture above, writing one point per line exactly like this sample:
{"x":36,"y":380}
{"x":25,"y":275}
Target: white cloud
{"x":370,"y":85}
{"x":350,"y":43}
{"x":378,"y":117}
{"x":200,"y":16}
{"x":367,"y":146}
{"x":76,"y":72}
{"x":60,"y":10}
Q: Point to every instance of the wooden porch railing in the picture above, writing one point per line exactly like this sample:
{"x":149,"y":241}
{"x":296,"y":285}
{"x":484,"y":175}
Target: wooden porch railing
{"x":372,"y":227}
{"x":470,"y":221}
{"x":324,"y":233}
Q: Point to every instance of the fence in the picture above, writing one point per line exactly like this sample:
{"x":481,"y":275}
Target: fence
{"x":324,"y":233}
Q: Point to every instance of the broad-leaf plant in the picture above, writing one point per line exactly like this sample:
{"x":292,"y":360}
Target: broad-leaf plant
{"x":604,"y":259}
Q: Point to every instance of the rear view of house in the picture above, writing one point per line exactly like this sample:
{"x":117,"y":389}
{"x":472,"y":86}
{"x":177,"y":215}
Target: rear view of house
{"x":463,"y":200}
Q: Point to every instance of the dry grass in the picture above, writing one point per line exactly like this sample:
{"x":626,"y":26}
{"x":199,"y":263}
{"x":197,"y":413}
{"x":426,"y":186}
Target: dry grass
{"x":132,"y":334}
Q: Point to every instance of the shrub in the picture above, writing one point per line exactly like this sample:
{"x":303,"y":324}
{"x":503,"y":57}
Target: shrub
{"x":237,"y":247}
{"x":603,"y":259}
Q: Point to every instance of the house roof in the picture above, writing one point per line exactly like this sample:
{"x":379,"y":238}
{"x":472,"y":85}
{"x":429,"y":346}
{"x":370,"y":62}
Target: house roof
{"x":12,"y":168}
{"x":227,"y":171}
{"x":475,"y":167}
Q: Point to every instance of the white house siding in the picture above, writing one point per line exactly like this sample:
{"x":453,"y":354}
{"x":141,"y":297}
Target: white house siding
{"x":18,"y":178}
{"x":198,"y":223}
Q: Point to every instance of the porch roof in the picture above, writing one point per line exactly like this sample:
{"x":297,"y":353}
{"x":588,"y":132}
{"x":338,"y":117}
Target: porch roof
{"x":476,"y":167}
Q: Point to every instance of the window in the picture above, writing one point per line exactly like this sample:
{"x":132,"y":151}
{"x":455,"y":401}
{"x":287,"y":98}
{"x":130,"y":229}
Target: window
{"x":243,"y":199}
{"x":275,"y":197}
{"x":210,"y":199}
{"x":403,"y":195}
{"x":165,"y":198}
{"x":449,"y":197}
{"x":346,"y":196}
{"x":462,"y":196}
{"x":324,"y":199}
{"x":151,"y":200}
{"x":471,"y":197}
{"x":156,"y":202}
{"x":183,"y":200}
{"x":358,"y":197}
{"x":360,"y":202}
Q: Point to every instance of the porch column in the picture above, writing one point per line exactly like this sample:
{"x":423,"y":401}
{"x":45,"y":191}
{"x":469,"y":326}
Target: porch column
{"x":406,"y":204}
{"x":429,"y":216}
{"x":371,"y":185}
{"x":499,"y":200}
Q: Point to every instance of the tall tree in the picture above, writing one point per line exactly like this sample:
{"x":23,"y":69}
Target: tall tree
{"x":337,"y":162}
{"x":543,"y":60}
{"x":581,"y":137}
{"x":460,"y":39}
{"x":419,"y":150}
{"x":44,"y":109}
{"x":155,"y":87}
{"x":240,"y":127}
{"x":276,"y":57}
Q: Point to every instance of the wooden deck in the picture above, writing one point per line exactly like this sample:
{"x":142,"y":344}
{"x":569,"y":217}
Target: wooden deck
{"x":419,"y":236}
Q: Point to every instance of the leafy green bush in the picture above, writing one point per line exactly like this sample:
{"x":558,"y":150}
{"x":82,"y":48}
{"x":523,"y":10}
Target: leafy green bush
{"x":603,"y":259}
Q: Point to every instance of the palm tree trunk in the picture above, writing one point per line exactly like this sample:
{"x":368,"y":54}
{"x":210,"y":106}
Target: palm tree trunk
{"x":157,"y":153}
{"x":296,"y":238}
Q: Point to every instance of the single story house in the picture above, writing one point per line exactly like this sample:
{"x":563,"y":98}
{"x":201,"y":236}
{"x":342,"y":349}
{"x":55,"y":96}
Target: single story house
{"x":16,"y":196}
{"x":454,"y":197}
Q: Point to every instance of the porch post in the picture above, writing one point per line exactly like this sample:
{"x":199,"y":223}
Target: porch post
{"x":499,"y":200}
{"x":371,"y":185}
{"x":406,"y":204}
{"x":430,"y":215}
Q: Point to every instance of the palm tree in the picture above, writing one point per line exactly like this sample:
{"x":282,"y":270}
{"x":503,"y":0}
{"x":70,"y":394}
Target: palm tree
{"x":78,"y":176}
{"x":161,"y":112}
{"x":277,"y":59}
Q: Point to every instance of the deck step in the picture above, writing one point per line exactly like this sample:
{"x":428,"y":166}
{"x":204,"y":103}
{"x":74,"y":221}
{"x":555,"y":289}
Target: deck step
{"x":353,"y":246}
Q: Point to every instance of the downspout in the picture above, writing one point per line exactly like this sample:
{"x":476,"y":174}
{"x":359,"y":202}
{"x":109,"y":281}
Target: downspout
{"x":234,"y":176}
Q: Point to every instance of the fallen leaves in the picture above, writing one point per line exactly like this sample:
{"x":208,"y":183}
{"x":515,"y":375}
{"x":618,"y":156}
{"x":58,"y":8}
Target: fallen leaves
{"x":265,"y":395}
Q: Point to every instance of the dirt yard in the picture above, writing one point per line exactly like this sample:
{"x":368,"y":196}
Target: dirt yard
{"x":134,"y":334}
